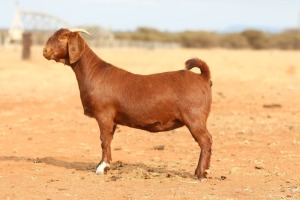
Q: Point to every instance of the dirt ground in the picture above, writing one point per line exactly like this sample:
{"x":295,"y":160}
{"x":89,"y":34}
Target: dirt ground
{"x":50,"y":150}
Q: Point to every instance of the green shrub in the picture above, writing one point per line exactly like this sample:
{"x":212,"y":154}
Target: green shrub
{"x":286,"y":40}
{"x":201,"y":39}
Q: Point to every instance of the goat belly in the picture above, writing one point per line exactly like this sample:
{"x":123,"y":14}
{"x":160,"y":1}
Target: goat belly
{"x":159,"y":126}
{"x":150,"y":125}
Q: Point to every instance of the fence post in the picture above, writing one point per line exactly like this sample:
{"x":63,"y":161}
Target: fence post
{"x":27,"y":41}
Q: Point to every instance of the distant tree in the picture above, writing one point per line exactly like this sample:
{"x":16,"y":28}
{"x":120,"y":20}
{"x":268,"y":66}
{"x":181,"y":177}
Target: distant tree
{"x":199,"y":39}
{"x":148,"y":34}
{"x":234,"y":41}
{"x":256,"y":39}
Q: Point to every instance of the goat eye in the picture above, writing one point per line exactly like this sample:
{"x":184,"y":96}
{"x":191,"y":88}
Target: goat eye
{"x":62,"y":39}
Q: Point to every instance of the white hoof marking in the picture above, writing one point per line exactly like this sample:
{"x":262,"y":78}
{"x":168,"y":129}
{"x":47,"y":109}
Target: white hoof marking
{"x":100,"y":169}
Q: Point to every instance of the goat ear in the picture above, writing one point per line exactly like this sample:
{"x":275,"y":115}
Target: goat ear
{"x":75,"y":47}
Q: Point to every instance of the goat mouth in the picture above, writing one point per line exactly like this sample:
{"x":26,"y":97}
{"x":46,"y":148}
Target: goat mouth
{"x":46,"y":56}
{"x":59,"y":60}
{"x":55,"y":59}
{"x":49,"y":56}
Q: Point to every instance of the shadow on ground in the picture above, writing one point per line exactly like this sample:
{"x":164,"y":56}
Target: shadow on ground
{"x":117,"y":169}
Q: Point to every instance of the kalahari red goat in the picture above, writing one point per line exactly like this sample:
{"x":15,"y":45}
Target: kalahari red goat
{"x":156,"y":102}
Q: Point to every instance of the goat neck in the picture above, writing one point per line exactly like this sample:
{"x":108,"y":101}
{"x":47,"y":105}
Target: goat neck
{"x":88,"y":64}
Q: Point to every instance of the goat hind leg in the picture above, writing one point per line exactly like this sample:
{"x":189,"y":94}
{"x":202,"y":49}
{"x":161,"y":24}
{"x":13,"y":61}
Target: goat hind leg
{"x":204,"y":139}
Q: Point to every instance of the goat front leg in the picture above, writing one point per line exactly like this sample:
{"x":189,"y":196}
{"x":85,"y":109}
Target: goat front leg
{"x":106,"y":135}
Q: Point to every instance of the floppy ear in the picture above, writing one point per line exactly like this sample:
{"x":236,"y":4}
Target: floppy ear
{"x":75,"y":47}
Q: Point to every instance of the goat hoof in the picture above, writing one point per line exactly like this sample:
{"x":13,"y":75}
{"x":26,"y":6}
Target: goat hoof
{"x":201,"y":178}
{"x":102,"y":168}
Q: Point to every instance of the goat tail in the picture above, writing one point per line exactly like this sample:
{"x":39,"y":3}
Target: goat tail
{"x":196,"y":62}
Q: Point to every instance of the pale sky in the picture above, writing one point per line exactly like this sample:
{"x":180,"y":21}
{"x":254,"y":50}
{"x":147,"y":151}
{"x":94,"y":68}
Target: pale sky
{"x":166,"y":15}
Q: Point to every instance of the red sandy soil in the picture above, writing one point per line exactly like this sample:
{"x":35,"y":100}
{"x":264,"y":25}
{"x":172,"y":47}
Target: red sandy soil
{"x":50,"y":150}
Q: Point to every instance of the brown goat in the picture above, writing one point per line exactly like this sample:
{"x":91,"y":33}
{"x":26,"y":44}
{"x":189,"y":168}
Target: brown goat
{"x":156,"y":102}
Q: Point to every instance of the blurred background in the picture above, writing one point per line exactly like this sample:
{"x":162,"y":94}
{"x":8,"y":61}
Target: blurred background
{"x":152,"y":23}
{"x":49,"y":149}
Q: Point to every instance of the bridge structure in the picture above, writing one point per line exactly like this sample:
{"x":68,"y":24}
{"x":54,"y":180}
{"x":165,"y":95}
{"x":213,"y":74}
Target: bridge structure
{"x":25,"y":21}
{"x":33,"y":20}
{"x":41,"y":25}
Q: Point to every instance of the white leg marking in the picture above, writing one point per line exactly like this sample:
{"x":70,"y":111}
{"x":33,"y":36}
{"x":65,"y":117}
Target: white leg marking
{"x":101,"y":167}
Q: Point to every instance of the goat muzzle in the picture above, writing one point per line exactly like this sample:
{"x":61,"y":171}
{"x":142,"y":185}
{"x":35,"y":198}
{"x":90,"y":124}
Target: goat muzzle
{"x":47,"y":53}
